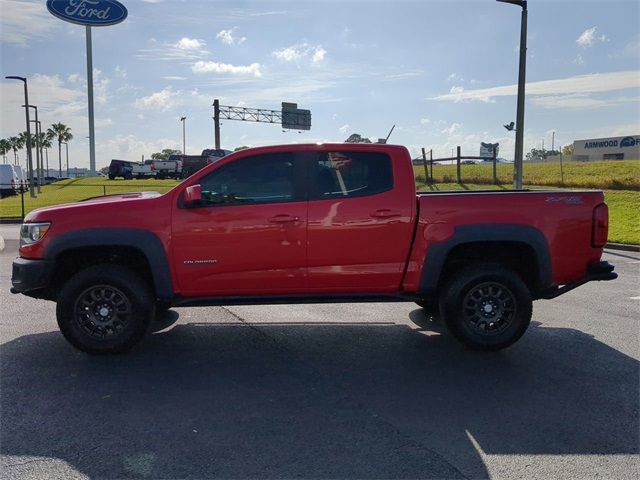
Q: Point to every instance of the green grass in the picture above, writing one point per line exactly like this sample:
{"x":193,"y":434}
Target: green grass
{"x":610,"y":175}
{"x":68,"y":191}
{"x":624,"y":208}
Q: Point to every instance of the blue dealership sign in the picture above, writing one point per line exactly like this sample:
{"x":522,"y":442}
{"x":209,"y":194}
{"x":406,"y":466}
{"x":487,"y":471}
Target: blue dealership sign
{"x":94,"y":13}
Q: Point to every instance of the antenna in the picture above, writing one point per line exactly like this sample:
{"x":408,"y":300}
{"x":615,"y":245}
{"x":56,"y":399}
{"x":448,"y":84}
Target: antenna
{"x":390,"y":131}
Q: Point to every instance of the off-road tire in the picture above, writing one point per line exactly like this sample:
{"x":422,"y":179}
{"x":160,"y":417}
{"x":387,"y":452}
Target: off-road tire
{"x":105,"y":309}
{"x":486,"y":307}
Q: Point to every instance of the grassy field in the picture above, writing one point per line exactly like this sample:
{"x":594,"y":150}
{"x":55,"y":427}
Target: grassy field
{"x":67,"y":191}
{"x":611,"y":175}
{"x":624,"y":205}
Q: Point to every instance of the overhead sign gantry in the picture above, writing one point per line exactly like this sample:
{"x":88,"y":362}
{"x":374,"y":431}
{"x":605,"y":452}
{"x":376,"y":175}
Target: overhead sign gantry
{"x":289,"y":117}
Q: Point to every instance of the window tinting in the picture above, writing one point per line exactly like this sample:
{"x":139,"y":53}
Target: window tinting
{"x":352,"y":174}
{"x":259,"y":179}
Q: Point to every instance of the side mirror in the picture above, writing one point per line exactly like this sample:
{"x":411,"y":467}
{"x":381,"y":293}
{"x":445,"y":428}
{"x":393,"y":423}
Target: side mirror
{"x":192,"y":195}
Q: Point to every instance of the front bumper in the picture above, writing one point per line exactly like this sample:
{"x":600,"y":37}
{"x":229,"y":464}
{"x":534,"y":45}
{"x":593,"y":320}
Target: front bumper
{"x":28,"y":275}
{"x":597,"y":271}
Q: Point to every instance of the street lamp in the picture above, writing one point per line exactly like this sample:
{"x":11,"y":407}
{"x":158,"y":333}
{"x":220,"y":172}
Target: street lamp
{"x":32,"y":191}
{"x":517,"y":170}
{"x":38,"y":149}
{"x":184,"y":150}
{"x":66,"y":146}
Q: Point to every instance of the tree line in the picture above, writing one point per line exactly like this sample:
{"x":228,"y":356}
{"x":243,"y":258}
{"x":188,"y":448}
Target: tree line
{"x":57,"y":132}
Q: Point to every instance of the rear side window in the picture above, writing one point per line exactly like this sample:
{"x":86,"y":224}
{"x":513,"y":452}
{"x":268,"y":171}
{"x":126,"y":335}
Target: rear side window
{"x":351,"y":174}
{"x":252,"y":180}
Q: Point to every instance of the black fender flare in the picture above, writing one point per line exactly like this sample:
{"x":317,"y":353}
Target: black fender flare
{"x":437,"y":253}
{"x":143,"y":240}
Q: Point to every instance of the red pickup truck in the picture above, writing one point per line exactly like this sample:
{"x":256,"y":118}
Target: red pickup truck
{"x":308,"y":224}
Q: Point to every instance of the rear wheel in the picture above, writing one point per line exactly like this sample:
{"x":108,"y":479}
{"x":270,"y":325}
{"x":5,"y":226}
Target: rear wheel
{"x":486,"y":307}
{"x":105,"y":309}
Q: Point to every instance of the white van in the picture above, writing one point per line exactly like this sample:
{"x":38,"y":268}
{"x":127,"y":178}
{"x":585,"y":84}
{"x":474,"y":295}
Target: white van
{"x":9,"y":181}
{"x":23,"y":181}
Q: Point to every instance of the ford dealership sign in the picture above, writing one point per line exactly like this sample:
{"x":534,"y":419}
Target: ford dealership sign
{"x":94,"y":13}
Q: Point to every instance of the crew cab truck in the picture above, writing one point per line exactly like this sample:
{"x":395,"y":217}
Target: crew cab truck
{"x":308,"y":224}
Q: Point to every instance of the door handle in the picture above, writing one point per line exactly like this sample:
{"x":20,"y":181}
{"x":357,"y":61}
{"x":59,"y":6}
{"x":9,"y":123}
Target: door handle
{"x":283,"y":219}
{"x":385,"y":213}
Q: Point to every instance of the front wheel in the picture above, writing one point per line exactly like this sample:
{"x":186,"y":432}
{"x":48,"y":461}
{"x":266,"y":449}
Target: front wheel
{"x":486,"y":307}
{"x":105,"y":309}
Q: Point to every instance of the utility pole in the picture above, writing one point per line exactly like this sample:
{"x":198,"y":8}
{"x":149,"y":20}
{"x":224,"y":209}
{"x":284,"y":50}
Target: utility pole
{"x":517,"y":170}
{"x":32,"y":191}
{"x":184,"y":148}
{"x":553,"y":140}
{"x":216,"y":123}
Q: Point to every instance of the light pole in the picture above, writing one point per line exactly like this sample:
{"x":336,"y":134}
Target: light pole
{"x":32,"y":191}
{"x":517,"y":170}
{"x":184,"y":149}
{"x":66,"y":146}
{"x":38,"y":149}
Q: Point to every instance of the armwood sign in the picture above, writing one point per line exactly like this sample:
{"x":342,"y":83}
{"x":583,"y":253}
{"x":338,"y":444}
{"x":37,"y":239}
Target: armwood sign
{"x":93,"y":13}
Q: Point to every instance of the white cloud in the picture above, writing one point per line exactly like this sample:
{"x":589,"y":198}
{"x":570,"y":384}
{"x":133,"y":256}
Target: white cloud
{"x":74,"y":77}
{"x":455,"y":89}
{"x":100,"y":86}
{"x":162,"y":100}
{"x":345,"y":129}
{"x":216,"y":67}
{"x":174,"y":77}
{"x":454,"y":77}
{"x":424,"y":121}
{"x":589,"y":37}
{"x":453,"y":128}
{"x":294,"y":53}
{"x":185,"y":49}
{"x":265,"y":14}
{"x":227,"y":37}
{"x":597,"y":82}
{"x":186,"y":43}
{"x":120,"y":72}
{"x":23,"y":21}
{"x":578,"y":60}
{"x":318,"y":55}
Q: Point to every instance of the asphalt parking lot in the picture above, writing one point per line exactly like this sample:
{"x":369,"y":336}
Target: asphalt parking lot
{"x":326,"y":391}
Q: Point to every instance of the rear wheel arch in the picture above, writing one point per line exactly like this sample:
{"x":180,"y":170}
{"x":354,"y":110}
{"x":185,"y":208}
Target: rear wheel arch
{"x":520,"y":248}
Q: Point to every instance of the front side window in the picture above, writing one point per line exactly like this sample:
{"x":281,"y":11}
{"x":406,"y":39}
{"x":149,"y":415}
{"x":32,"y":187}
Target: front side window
{"x":352,"y":174}
{"x":252,"y":180}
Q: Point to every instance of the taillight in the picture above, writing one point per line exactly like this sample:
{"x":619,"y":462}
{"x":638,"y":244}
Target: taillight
{"x":600,"y":225}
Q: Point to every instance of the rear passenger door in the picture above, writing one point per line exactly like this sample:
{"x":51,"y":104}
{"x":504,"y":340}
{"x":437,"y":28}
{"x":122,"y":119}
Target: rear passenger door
{"x":359,"y":225}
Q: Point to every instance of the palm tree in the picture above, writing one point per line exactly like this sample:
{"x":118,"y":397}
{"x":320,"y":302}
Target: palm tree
{"x":16,"y":144}
{"x":5,"y":146}
{"x":63,"y":134}
{"x":45,"y":142}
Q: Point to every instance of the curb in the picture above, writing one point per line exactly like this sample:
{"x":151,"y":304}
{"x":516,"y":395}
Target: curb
{"x":623,"y":247}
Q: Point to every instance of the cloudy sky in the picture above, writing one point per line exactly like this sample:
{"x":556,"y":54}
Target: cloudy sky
{"x":444,"y":72}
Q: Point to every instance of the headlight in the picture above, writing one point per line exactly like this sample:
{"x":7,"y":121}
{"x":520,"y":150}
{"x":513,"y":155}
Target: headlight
{"x":33,"y":232}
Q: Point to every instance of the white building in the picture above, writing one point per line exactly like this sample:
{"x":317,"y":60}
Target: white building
{"x":614,"y":148}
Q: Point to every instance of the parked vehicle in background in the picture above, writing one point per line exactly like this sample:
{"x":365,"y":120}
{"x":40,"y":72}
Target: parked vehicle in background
{"x":143,"y":170}
{"x":169,"y":168}
{"x":193,"y":163}
{"x":121,"y":168}
{"x":9,"y":180}
{"x":318,"y":223}
{"x":215,"y":152}
{"x":22,"y":177}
